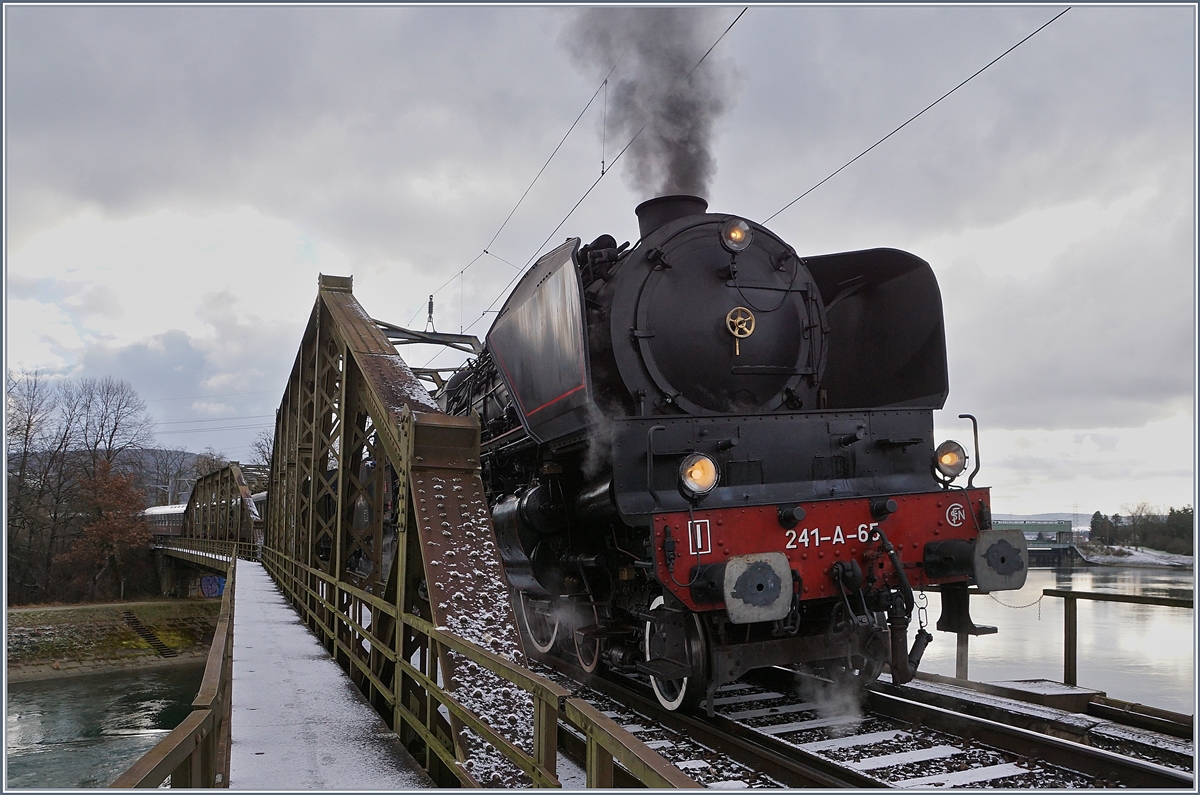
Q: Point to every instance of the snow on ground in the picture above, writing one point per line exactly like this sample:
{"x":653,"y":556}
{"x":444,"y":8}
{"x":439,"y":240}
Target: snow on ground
{"x":1133,"y":556}
{"x":298,"y":722}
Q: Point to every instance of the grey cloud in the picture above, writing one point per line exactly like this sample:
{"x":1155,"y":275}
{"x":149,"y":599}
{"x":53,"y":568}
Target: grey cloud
{"x":404,"y":136}
{"x":1079,"y":110}
{"x":1105,"y":442}
{"x":1024,"y":470}
{"x":336,"y":117}
{"x":95,"y":300}
{"x":247,"y":360}
{"x":81,"y":301}
{"x":1104,"y":337}
{"x":324,"y":116}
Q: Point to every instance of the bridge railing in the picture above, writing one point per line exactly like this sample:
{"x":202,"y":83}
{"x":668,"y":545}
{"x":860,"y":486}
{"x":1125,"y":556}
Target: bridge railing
{"x":1071,"y":619}
{"x":209,"y":548}
{"x":423,"y":698}
{"x":196,"y":753}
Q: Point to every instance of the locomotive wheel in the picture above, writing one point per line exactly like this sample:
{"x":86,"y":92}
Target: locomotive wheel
{"x":587,"y":649}
{"x":685,"y":693}
{"x":541,"y":623}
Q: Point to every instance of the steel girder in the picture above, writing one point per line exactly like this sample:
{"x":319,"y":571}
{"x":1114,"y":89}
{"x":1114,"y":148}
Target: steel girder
{"x":354,"y":428}
{"x":220,"y":508}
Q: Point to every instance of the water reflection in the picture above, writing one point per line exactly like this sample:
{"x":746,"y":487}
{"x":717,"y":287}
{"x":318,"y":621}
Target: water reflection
{"x":83,"y":731}
{"x":1139,"y":653}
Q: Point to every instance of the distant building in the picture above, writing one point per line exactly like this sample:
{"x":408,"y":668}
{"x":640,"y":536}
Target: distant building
{"x":1059,"y":532}
{"x":1051,"y":543}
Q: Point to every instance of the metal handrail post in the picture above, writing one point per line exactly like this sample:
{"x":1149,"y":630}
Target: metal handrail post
{"x":1071,"y":619}
{"x":1070,"y":634}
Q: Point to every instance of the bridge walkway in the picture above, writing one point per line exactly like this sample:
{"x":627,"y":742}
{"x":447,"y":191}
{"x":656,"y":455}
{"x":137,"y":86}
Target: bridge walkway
{"x":297,"y":721}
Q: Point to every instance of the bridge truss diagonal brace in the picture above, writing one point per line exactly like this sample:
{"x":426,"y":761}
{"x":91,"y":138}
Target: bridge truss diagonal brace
{"x":360,"y":452}
{"x":221,"y":508}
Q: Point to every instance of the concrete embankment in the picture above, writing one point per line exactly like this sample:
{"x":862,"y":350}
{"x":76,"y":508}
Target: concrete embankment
{"x":63,"y":640}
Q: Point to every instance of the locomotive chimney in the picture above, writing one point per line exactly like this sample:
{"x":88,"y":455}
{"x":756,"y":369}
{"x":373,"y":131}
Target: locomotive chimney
{"x":654,"y":213}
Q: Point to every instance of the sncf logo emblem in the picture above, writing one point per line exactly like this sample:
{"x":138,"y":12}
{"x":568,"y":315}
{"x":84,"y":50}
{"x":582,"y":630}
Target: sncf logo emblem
{"x":699,"y":537}
{"x":956,"y":514}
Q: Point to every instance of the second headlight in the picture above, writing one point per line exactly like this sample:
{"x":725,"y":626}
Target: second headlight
{"x":736,"y":235}
{"x":698,"y":475}
{"x":950,"y":459}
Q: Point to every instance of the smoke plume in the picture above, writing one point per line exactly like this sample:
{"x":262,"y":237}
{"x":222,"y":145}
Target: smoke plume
{"x":657,"y":48}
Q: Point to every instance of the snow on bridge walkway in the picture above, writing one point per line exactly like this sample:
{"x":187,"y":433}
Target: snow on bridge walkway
{"x":298,"y":722}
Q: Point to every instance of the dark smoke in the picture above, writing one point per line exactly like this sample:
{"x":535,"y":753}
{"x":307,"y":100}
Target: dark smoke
{"x":651,"y":87}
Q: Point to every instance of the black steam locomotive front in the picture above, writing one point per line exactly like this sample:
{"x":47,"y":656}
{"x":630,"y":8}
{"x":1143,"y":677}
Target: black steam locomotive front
{"x":707,"y":454}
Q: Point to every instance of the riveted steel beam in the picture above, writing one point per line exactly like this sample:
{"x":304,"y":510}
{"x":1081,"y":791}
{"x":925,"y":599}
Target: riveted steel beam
{"x":220,"y":508}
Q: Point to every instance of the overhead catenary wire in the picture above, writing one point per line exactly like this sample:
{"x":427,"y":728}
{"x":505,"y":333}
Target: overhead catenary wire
{"x":203,"y":397}
{"x":485,"y":312}
{"x":521,"y":272}
{"x":217,"y":419}
{"x":213,"y":430}
{"x":914,"y":118}
{"x":502,"y":259}
{"x":542,"y":170}
{"x":715,"y":43}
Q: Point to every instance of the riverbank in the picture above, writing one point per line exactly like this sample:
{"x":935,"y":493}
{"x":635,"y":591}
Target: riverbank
{"x":1133,"y":556}
{"x":69,"y":640}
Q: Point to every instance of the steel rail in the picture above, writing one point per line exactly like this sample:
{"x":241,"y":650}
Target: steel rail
{"x":1102,"y":765}
{"x":790,"y":765}
{"x":795,"y":767}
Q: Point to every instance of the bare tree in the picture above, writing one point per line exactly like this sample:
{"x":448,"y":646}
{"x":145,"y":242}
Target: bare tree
{"x":43,"y":481}
{"x":57,"y":436}
{"x":114,"y":419}
{"x":29,"y":413}
{"x":169,"y":475}
{"x":209,"y":460}
{"x":1142,"y":518}
{"x":262,"y":447}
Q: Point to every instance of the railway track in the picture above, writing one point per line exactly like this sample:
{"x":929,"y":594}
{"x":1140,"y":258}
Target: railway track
{"x":778,"y":728}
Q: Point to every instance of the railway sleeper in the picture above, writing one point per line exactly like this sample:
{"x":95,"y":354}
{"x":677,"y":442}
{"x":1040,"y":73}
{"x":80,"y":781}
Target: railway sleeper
{"x":1088,"y":729}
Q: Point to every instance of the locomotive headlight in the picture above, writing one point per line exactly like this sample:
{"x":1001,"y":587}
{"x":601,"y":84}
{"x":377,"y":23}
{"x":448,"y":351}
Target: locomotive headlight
{"x":950,"y":459}
{"x":736,"y":235}
{"x":698,"y":475}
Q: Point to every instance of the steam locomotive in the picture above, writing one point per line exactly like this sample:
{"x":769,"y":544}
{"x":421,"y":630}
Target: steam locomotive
{"x":707,"y":454}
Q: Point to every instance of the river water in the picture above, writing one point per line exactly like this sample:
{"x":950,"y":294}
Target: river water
{"x":83,"y":731}
{"x":1139,"y":653}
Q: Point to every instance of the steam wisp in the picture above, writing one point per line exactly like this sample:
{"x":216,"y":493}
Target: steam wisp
{"x":651,"y":90}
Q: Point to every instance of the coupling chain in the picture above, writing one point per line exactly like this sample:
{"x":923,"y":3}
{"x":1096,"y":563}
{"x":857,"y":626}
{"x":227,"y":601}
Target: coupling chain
{"x":1037,"y":602}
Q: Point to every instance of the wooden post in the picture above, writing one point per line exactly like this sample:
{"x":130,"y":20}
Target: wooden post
{"x":960,"y":656}
{"x":545,"y":734}
{"x":599,"y":765}
{"x":1070,"y":614}
{"x":181,"y":776}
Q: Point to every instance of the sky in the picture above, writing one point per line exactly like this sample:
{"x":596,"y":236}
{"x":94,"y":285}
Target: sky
{"x":177,"y":177}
